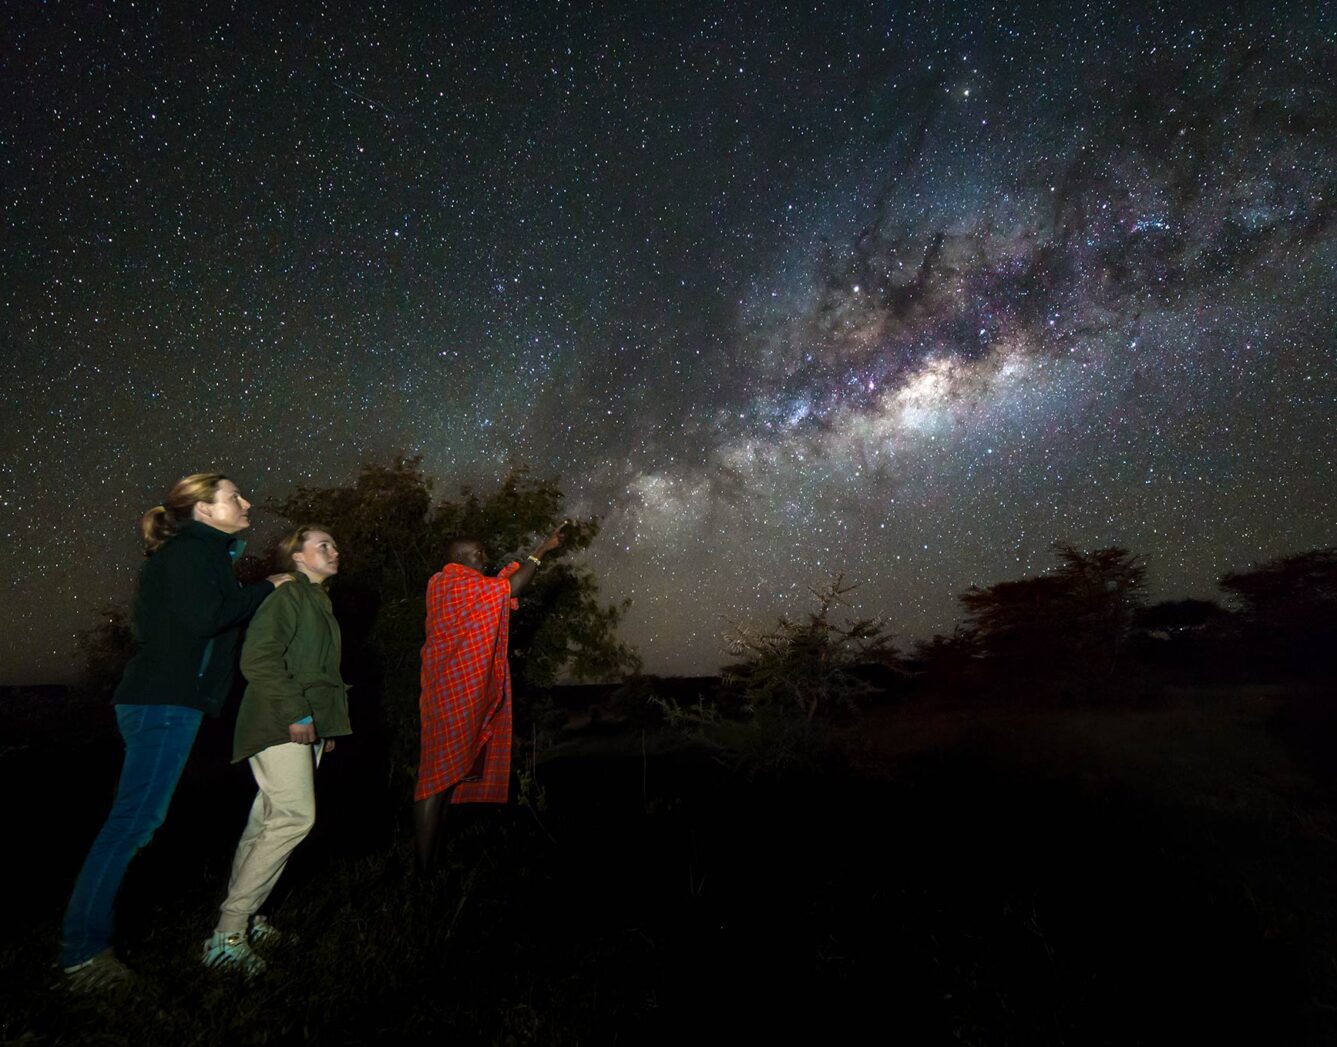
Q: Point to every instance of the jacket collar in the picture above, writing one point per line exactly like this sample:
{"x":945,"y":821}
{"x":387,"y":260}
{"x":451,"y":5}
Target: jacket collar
{"x":204,"y":532}
{"x":298,"y":576}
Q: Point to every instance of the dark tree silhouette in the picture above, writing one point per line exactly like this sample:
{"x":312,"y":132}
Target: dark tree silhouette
{"x":812,"y":667}
{"x":948,"y":664}
{"x":1064,"y":630}
{"x":1288,"y":612}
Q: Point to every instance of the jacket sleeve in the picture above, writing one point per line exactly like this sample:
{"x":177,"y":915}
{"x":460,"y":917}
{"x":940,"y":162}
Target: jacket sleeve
{"x":262,"y":656}
{"x":197,"y":597}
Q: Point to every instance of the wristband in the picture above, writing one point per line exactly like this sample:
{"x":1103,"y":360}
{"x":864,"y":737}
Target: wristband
{"x":534,"y":560}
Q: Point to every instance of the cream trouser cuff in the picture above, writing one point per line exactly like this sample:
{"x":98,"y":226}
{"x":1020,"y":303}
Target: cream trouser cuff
{"x":283,"y":813}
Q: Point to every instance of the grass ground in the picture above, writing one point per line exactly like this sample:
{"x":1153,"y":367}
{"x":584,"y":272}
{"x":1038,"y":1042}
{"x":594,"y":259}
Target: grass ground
{"x":1054,"y":877}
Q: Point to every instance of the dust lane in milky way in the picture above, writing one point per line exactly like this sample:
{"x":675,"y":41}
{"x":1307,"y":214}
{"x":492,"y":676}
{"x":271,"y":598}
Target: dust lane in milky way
{"x":908,"y":293}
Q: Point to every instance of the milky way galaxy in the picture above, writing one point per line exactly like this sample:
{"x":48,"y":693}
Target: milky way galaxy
{"x":908,"y":292}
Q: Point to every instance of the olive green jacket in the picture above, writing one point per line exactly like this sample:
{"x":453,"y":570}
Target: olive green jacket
{"x":291,"y":663}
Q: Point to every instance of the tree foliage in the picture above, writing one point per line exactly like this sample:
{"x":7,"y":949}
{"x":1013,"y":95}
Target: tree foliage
{"x":949,"y":663}
{"x":1066,"y":627}
{"x":393,"y":535}
{"x":1288,"y":611}
{"x":792,"y":683}
{"x":809,"y":667}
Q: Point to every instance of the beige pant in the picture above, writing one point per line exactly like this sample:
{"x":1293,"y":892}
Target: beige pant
{"x":283,"y":813}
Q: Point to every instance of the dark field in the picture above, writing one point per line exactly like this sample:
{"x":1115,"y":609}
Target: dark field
{"x":1122,"y":877}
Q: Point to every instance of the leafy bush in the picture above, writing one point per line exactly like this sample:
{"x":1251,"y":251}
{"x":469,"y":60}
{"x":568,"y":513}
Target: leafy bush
{"x":790,"y":686}
{"x":1062,"y":632}
{"x":808,"y":668}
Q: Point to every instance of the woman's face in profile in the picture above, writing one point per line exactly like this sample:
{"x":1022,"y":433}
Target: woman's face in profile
{"x":318,"y":558}
{"x":228,"y":512}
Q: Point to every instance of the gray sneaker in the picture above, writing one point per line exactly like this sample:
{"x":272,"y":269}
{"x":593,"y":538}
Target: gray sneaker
{"x":102,"y":973}
{"x":234,"y":951}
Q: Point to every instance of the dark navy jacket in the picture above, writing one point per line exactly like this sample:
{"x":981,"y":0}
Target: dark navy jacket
{"x":189,"y":611}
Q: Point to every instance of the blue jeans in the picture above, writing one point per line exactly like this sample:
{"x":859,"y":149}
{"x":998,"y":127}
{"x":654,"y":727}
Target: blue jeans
{"x":158,"y":738}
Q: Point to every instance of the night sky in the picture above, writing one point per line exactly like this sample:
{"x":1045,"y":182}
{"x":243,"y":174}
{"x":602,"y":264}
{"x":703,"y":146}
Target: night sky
{"x":908,"y":290}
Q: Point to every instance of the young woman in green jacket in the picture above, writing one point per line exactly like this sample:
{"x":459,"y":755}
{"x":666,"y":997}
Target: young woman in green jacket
{"x":294,"y":707}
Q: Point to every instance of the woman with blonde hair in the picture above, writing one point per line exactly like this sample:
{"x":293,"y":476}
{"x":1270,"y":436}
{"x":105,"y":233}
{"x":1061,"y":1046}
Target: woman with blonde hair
{"x":294,"y":707}
{"x":189,"y":610}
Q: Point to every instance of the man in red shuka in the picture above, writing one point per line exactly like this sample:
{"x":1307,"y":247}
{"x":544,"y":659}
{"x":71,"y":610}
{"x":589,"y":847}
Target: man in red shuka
{"x":465,"y":703}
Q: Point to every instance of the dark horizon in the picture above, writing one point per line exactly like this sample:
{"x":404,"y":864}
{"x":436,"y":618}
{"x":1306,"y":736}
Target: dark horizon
{"x":1227,"y":602}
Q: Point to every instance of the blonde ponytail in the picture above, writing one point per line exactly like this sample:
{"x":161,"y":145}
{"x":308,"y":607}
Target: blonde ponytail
{"x":164,"y":521}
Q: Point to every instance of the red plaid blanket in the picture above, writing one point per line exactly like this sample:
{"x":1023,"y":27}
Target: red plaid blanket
{"x":465,"y":704}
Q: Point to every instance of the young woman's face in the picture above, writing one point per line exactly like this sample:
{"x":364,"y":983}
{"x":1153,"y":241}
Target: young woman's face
{"x":229,"y":512}
{"x":318,"y":558}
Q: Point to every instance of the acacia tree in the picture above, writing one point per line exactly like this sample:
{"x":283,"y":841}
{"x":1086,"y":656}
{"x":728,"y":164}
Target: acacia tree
{"x":1106,"y":588}
{"x":949,"y":663}
{"x":1288,"y":611}
{"x":791,"y":683}
{"x":808,"y":667}
{"x":1067,"y":627}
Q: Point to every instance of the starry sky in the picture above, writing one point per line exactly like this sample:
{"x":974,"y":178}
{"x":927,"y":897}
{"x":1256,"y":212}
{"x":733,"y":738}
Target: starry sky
{"x":906,"y":290}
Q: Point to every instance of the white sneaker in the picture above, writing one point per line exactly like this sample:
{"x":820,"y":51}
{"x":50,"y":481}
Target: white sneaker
{"x":232,"y":950}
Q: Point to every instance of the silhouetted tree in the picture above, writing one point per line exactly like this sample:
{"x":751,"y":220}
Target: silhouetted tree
{"x":808,"y":667}
{"x":1065,"y":629}
{"x":948,"y":663}
{"x":1106,"y":589}
{"x":1288,"y":612}
{"x":790,"y":684}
